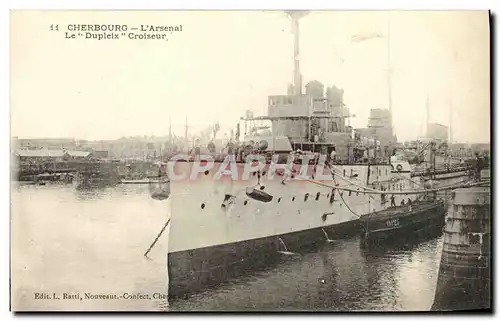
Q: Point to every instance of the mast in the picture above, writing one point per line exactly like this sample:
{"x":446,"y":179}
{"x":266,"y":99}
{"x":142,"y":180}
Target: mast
{"x":170,"y":141}
{"x":450,"y":139}
{"x":297,"y":77}
{"x":389,"y":69}
{"x":170,"y":128}
{"x":186,"y":134}
{"x":433,"y":160}
{"x":427,"y":113}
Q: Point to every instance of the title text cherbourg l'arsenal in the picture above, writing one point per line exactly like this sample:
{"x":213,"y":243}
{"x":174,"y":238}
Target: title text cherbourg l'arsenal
{"x":117,"y":31}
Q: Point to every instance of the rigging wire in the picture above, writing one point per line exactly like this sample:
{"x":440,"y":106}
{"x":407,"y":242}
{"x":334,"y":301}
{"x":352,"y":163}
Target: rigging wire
{"x":407,"y":192}
{"x":368,"y":190}
{"x":343,"y":200}
{"x":338,"y":189}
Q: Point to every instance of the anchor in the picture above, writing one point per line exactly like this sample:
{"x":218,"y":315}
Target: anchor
{"x":285,"y":252}
{"x":327,"y":237}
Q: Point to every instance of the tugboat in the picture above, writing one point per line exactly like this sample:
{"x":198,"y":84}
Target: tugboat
{"x":406,"y":218}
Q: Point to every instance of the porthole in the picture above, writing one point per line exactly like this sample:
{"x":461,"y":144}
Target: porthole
{"x":202,"y":205}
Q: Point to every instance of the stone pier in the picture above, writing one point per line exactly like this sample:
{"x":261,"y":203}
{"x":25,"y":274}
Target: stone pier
{"x":464,"y":273}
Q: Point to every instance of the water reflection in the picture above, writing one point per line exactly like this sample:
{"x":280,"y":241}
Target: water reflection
{"x":91,"y":194}
{"x":404,"y":244}
{"x":94,"y":240}
{"x":339,"y":276}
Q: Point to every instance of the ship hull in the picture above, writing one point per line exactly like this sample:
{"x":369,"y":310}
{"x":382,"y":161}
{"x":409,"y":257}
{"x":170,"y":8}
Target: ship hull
{"x":199,"y":269}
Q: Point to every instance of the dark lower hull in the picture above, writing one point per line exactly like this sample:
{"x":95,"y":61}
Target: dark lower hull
{"x":391,"y":243}
{"x":200,"y":269}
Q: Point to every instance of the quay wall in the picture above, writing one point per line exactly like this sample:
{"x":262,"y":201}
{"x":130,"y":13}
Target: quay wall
{"x":464,"y":275}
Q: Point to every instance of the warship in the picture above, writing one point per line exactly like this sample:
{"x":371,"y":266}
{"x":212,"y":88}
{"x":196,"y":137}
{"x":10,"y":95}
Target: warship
{"x":306,"y":179}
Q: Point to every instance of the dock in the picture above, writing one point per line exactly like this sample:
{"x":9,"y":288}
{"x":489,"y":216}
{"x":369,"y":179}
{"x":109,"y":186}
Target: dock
{"x":464,"y":274}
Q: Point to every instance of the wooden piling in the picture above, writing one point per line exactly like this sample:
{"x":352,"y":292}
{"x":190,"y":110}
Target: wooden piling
{"x":464,"y":273}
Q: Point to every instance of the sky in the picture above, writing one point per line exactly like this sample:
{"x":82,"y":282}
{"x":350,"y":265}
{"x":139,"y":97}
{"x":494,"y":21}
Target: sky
{"x":223,"y":63}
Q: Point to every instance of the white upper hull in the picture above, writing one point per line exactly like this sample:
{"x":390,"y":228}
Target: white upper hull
{"x":199,"y":218}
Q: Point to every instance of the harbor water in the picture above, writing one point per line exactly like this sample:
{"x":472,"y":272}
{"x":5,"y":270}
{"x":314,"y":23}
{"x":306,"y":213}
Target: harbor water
{"x":73,"y":241}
